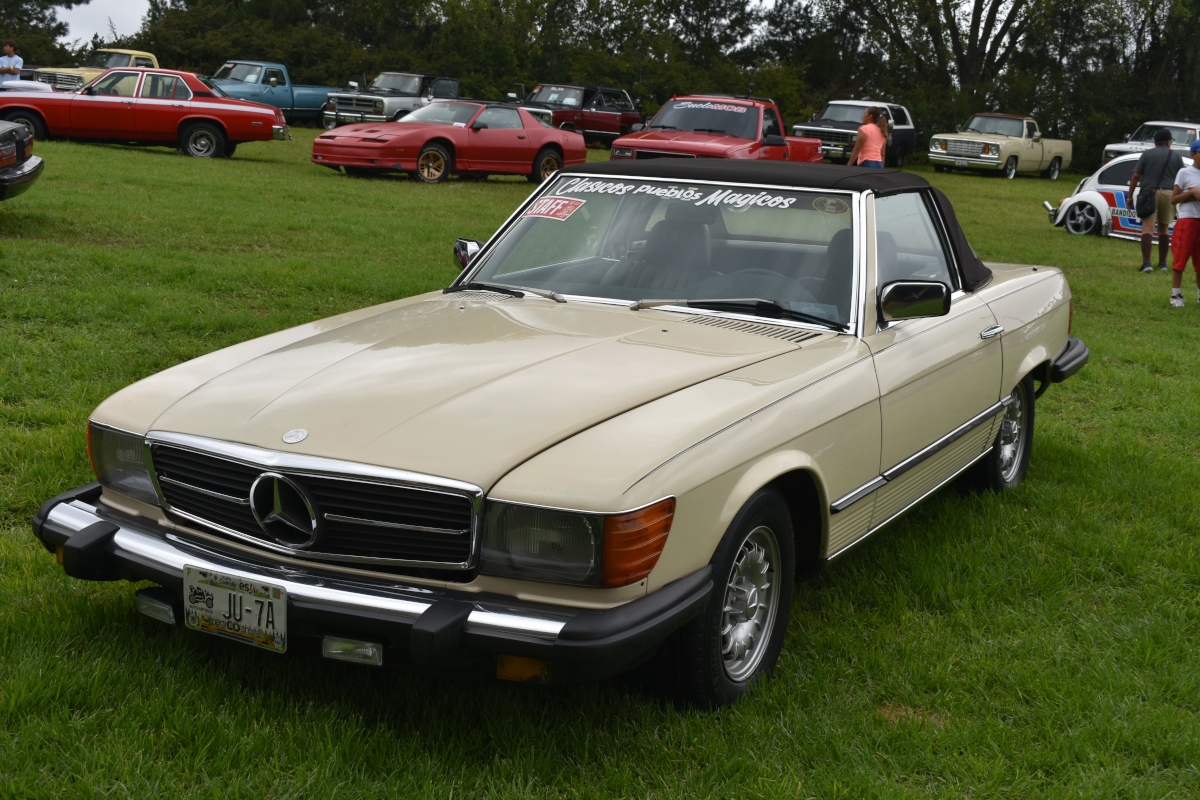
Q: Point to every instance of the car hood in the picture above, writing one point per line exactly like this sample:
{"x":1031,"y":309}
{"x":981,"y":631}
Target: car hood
{"x":700,"y":143}
{"x":458,"y":387}
{"x":383,"y":130}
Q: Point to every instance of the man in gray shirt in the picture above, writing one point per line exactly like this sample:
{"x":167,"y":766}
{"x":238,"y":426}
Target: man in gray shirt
{"x":1159,"y":166}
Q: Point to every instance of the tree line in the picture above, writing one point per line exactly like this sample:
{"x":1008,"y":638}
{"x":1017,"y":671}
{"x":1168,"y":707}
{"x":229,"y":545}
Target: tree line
{"x":1088,"y":70}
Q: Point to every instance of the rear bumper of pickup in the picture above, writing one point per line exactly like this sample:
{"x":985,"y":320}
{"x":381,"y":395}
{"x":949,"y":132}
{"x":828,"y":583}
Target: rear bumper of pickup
{"x":439,"y":629}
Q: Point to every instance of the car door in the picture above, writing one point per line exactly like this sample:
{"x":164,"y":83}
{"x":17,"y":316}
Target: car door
{"x":771,"y":126}
{"x":162,"y":103}
{"x":503,"y":145}
{"x":279,"y":95}
{"x":106,"y":108}
{"x":1113,"y":185}
{"x":1034,"y":160}
{"x":939,"y":377}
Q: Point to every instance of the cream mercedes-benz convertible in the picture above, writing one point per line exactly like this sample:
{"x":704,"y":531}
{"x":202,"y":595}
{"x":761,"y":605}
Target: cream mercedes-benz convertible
{"x":661,"y":393}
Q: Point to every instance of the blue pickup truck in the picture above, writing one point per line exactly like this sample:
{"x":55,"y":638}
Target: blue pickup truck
{"x":269,"y":83}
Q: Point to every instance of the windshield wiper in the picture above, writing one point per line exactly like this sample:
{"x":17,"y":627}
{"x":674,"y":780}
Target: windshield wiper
{"x":503,"y":288}
{"x":707,"y":130}
{"x":757,"y":305}
{"x":663,"y":127}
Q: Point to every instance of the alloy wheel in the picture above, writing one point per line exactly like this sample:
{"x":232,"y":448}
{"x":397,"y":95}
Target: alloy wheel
{"x":549,"y":167}
{"x":1011,"y":441}
{"x":751,"y":604}
{"x":1082,"y":219}
{"x":431,"y":165}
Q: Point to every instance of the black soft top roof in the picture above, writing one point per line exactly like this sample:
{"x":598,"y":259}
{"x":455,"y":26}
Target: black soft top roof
{"x":770,"y":173}
{"x":882,"y":182}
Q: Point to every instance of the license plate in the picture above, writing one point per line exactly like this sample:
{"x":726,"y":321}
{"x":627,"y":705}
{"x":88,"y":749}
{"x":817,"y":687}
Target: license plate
{"x":237,"y":608}
{"x":960,"y":162}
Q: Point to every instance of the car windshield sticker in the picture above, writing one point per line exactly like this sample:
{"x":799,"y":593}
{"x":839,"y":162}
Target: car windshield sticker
{"x":700,"y":197}
{"x":736,"y":109}
{"x":552,"y":207}
{"x":831,"y":205}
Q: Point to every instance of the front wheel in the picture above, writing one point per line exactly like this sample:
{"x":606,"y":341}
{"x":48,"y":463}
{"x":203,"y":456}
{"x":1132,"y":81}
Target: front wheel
{"x":433,"y":163}
{"x":940,"y":168}
{"x":30,"y":120}
{"x":203,"y":140}
{"x":546,"y":163}
{"x":735,"y":641}
{"x":1082,"y":219}
{"x":1053,"y":170}
{"x":1010,"y":168}
{"x":1005,"y":465}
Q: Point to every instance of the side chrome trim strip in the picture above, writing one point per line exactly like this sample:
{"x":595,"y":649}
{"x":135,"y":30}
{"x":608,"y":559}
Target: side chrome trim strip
{"x":958,"y":472}
{"x":878,"y":482}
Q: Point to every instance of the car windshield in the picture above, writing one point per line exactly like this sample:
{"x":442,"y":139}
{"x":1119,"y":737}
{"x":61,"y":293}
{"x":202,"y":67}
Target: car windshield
{"x":569,"y":96}
{"x":101,"y":60}
{"x":244,"y":73}
{"x":446,"y":113}
{"x":839,"y":112}
{"x":212,"y":87}
{"x":1179,"y":134}
{"x":396,"y":83}
{"x":708,"y":116}
{"x":1001,"y":126}
{"x":631,"y":239}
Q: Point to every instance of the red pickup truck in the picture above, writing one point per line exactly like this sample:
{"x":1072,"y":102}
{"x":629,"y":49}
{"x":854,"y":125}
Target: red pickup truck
{"x":715,"y":126}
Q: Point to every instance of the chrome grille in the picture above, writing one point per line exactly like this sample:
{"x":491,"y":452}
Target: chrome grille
{"x":825,"y":135}
{"x":354,"y":103}
{"x":961,"y":147}
{"x":61,"y":80}
{"x":794,"y":335}
{"x":364,"y":521}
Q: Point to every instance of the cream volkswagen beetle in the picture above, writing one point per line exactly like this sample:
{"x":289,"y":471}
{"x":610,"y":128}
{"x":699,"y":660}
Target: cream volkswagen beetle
{"x":659,"y":395}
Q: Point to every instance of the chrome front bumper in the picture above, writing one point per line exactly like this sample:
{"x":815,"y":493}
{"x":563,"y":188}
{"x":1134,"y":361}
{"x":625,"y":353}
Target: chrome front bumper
{"x":428,"y":627}
{"x":349,"y":117}
{"x":969,"y":162}
{"x":281,"y":133}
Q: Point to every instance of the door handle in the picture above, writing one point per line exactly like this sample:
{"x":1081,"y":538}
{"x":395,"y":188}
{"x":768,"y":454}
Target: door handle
{"x":991,"y":332}
{"x":520,"y":136}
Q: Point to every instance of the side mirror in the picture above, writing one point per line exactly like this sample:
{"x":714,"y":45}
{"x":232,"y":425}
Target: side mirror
{"x":1128,"y":136}
{"x":91,"y":90}
{"x":464,"y":251}
{"x":354,"y":85}
{"x":274,"y":82}
{"x":773,"y":140}
{"x":913,"y":299}
{"x":479,"y":126}
{"x":958,"y":128}
{"x":1037,"y":137}
{"x":511,"y":96}
{"x":635,"y":127}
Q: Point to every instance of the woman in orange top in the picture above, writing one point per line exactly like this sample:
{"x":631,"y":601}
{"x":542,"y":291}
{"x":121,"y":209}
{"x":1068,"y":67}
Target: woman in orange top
{"x":871,"y":143}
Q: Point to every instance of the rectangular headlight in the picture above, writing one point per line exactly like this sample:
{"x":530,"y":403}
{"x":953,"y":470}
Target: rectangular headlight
{"x":573,"y":547}
{"x":622,"y":152}
{"x":119,"y":464}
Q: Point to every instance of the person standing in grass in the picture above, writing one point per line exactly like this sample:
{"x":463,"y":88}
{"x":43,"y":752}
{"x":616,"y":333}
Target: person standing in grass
{"x":871,"y":143}
{"x":10,"y":63}
{"x":1160,"y":164}
{"x":1185,"y":242}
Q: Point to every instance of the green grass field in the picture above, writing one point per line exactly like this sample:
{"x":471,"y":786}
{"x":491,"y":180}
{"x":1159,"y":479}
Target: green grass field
{"x":1043,"y":643}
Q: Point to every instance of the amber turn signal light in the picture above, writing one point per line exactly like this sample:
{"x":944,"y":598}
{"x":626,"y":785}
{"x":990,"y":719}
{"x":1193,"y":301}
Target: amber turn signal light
{"x":516,"y":668}
{"x":634,"y":541}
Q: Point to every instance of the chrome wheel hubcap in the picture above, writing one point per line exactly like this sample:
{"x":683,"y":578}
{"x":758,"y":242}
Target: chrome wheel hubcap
{"x":202,"y":144}
{"x":549,"y":167}
{"x":751,"y":603}
{"x":1082,"y":218}
{"x":431,"y":165}
{"x":1012,"y":439}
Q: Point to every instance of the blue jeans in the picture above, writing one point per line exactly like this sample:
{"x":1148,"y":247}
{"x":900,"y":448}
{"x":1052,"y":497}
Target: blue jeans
{"x":871,"y":164}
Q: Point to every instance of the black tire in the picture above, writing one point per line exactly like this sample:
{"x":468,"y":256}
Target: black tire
{"x":696,"y":664}
{"x":202,"y":140}
{"x":897,"y":161}
{"x":1010,"y":168}
{"x":1052,"y":171}
{"x":1005,"y":466}
{"x":1082,"y":219}
{"x":30,"y":120}
{"x":230,"y":149}
{"x":545,"y":163}
{"x":434,"y":163}
{"x":940,"y":168}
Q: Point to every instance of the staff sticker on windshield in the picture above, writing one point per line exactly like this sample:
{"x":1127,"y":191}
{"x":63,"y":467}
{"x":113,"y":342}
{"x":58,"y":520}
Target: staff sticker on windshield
{"x":831,"y":205}
{"x":552,"y":207}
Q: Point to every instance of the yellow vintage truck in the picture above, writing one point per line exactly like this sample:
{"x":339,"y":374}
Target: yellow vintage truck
{"x":71,"y":78}
{"x":1004,"y":143}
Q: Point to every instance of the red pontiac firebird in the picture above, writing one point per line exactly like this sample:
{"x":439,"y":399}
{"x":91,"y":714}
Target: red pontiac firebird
{"x":147,"y":106}
{"x":470,"y":138}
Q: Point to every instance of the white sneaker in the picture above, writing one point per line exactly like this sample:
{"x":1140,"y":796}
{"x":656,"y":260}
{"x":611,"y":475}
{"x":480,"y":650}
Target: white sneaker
{"x":1176,"y":301}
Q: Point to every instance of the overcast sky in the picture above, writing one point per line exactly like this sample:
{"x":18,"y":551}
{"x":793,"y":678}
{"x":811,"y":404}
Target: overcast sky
{"x":126,"y":16}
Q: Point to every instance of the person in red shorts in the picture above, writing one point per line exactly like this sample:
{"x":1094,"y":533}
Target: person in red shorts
{"x":1185,"y":241}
